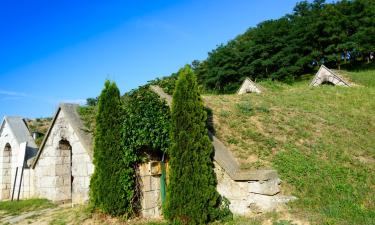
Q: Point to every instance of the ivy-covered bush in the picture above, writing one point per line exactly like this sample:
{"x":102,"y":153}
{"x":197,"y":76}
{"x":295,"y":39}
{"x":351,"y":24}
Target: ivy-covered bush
{"x":110,"y":191}
{"x":145,"y":125}
{"x":146,"y":122}
{"x":191,"y":195}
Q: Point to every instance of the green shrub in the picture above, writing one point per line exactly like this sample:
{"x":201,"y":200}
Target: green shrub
{"x":112,"y":185}
{"x":191,"y":196}
{"x":146,"y":121}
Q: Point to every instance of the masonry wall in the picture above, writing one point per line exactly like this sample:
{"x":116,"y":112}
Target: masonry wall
{"x":247,"y":197}
{"x":8,"y":160}
{"x":150,"y":175}
{"x":63,"y":174}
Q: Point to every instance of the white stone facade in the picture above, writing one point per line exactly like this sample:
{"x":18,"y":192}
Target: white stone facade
{"x":9,"y":151}
{"x":325,"y":75}
{"x":248,"y":86}
{"x":60,"y":171}
{"x":64,"y":168}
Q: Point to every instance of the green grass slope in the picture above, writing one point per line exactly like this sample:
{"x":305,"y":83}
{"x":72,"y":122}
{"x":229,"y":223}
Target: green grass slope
{"x":321,"y":140}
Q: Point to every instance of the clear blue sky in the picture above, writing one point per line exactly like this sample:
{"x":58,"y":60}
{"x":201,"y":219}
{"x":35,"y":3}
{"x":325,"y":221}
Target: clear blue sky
{"x":62,"y":51}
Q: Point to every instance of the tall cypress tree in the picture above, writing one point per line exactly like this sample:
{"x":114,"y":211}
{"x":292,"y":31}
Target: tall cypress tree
{"x":107,"y":191}
{"x":191,"y":197}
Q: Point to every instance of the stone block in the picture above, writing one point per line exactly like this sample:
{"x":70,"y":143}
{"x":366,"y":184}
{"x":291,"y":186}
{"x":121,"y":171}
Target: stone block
{"x":66,"y":159}
{"x":155,"y":182}
{"x":64,"y":153}
{"x":150,"y":199}
{"x":61,"y":170}
{"x":48,"y":171}
{"x":144,"y":169}
{"x":59,"y":181}
{"x":148,"y":213}
{"x":48,"y":182}
{"x":270,"y":187}
{"x":146,"y":183}
{"x":263,"y":203}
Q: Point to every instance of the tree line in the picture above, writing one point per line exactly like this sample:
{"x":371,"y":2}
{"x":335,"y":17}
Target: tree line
{"x":333,"y":34}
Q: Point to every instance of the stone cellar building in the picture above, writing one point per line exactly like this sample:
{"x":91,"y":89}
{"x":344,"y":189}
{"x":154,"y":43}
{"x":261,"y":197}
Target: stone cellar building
{"x":13,"y":133}
{"x":327,"y":76}
{"x":248,"y":86}
{"x":62,"y":167}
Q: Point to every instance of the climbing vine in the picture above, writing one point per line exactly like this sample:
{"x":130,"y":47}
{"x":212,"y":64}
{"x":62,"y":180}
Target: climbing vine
{"x":146,"y":121}
{"x":145,"y":125}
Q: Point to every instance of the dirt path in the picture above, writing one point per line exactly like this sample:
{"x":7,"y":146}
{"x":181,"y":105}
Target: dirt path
{"x":41,"y":217}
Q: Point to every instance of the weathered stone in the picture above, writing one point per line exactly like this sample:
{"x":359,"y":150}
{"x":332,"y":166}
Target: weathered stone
{"x":326,"y":75}
{"x":270,"y":187}
{"x":66,"y":155}
{"x":149,"y":199}
{"x":248,"y":86}
{"x":146,"y":183}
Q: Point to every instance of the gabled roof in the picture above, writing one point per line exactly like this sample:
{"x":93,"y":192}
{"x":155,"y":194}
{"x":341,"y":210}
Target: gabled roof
{"x":71,"y":115}
{"x":326,"y":75}
{"x":248,"y":86}
{"x":19,"y":130}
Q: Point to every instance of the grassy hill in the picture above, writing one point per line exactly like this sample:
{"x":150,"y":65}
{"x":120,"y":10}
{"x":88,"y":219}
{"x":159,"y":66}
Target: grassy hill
{"x":321,"y":140}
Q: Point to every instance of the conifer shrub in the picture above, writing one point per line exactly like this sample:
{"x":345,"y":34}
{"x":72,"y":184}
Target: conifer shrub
{"x":111,"y":187}
{"x":191,"y":194}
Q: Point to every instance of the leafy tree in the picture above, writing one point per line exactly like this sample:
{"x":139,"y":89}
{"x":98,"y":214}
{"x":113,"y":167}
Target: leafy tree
{"x":111,"y":190}
{"x":92,"y":101}
{"x":191,"y":196}
{"x":284,"y":49}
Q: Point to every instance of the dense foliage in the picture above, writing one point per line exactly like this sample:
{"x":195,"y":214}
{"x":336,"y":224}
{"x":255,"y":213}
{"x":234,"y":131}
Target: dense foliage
{"x":191,"y":195}
{"x":109,"y":188}
{"x":315,"y":33}
{"x":168,"y":83}
{"x":145,"y":131}
{"x":146,"y":122}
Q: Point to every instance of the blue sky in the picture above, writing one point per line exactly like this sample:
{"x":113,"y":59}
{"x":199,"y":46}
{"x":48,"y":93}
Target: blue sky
{"x":62,"y":51}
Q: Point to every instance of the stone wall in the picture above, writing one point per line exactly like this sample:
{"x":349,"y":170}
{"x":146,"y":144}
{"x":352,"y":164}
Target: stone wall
{"x":9,"y":150}
{"x":63,"y":173}
{"x":247,"y":197}
{"x":150,"y":175}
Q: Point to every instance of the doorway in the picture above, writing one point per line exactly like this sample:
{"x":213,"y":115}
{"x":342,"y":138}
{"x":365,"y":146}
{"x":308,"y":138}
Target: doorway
{"x":66,"y":177}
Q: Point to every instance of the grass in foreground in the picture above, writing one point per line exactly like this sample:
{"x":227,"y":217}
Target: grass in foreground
{"x":19,"y":207}
{"x":321,"y":140}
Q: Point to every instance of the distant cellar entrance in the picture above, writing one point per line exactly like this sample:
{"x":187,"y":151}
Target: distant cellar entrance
{"x":328,"y":83}
{"x":64,"y":172}
{"x":7,"y":180}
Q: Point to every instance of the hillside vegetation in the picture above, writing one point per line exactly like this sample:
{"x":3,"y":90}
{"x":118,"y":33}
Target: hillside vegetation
{"x":315,"y":33}
{"x":321,"y":140}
